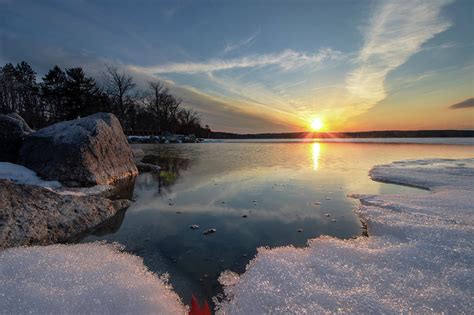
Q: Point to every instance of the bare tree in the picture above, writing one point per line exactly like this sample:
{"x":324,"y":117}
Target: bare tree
{"x":119,"y":86}
{"x":164,"y":106}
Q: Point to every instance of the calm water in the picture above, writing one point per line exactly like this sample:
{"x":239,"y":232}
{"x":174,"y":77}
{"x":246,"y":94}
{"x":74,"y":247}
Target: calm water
{"x":285,"y":190}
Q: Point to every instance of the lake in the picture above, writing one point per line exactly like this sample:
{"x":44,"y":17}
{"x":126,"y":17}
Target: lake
{"x":254,"y":194}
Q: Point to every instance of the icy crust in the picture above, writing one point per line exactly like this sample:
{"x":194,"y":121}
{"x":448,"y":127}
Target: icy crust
{"x":81,"y":279}
{"x":418,"y":257}
{"x":22,"y":175}
{"x":429,"y":174}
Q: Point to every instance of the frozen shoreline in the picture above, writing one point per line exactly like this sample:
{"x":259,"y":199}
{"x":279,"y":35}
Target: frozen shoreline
{"x":81,"y":279}
{"x":418,"y":256}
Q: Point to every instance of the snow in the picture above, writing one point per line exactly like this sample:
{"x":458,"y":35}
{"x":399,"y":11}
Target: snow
{"x":22,"y":175}
{"x":418,"y":257}
{"x":86,"y":278}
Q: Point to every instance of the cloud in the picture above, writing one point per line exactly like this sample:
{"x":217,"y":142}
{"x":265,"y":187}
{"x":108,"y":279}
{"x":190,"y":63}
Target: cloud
{"x":245,"y":42}
{"x":469,"y":103}
{"x":286,"y":60}
{"x":396,"y":32}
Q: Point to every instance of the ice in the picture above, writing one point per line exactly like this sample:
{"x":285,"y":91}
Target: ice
{"x":85,"y":278}
{"x":418,"y":258}
{"x":450,"y":141}
{"x":22,"y":175}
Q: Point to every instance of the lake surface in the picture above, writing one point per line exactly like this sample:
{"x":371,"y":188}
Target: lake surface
{"x":259,"y":193}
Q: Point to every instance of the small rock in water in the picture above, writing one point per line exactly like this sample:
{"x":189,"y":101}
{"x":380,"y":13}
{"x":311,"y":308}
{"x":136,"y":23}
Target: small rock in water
{"x":222,"y":201}
{"x":317,"y":203}
{"x":209,"y":231}
{"x":299,"y":230}
{"x":327,"y":215}
{"x":244,"y":255}
{"x":333,"y":220}
{"x":171,"y":204}
{"x":194,"y":227}
{"x":328,"y":198}
{"x":205,"y":275}
{"x":178,"y":212}
{"x":244,"y":216}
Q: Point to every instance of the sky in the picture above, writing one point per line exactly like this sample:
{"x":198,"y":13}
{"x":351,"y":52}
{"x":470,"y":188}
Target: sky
{"x":268,"y":66}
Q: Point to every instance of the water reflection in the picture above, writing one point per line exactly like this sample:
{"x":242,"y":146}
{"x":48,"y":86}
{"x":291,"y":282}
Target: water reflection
{"x":316,"y":147}
{"x":170,"y":173}
{"x":254,"y":194}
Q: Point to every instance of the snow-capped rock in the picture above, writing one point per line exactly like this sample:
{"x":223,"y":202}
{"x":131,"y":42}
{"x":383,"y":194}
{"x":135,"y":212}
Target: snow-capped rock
{"x":84,"y":152}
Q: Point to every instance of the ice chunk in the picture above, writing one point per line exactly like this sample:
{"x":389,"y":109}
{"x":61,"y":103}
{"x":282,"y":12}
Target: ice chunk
{"x":85,"y":278}
{"x":418,"y":257}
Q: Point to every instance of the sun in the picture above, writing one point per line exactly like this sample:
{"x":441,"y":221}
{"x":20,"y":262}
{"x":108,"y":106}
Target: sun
{"x":316,"y":124}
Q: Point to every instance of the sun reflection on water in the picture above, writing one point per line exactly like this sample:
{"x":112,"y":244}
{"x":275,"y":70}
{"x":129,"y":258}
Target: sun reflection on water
{"x":316,"y":147}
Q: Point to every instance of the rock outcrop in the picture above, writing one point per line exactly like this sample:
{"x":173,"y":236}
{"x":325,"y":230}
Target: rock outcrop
{"x":138,"y":154}
{"x":84,"y":152}
{"x":13,"y":130}
{"x":32,"y":215}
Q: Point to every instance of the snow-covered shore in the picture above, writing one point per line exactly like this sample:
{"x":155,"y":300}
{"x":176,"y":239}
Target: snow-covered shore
{"x":22,"y":175}
{"x":81,"y":279}
{"x":418,"y":257}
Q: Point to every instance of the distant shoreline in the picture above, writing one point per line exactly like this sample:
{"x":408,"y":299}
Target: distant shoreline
{"x":343,"y":135}
{"x":469,"y":141}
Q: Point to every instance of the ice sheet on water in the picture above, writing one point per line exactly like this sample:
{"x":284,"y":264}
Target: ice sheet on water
{"x":418,"y":257}
{"x":429,"y":173}
{"x":85,"y":278}
{"x":448,"y":141}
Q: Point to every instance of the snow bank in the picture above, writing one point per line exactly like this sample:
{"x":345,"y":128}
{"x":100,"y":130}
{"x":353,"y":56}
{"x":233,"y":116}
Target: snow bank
{"x":85,"y":278}
{"x":418,"y":257}
{"x":22,"y":175}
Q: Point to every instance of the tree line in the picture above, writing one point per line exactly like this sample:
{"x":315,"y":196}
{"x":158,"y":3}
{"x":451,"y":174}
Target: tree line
{"x":68,"y":94}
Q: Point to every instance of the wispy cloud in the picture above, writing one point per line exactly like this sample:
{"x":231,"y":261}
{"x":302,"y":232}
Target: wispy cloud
{"x":469,"y":103}
{"x":243,"y":43}
{"x":286,"y":60}
{"x":396,"y":32}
